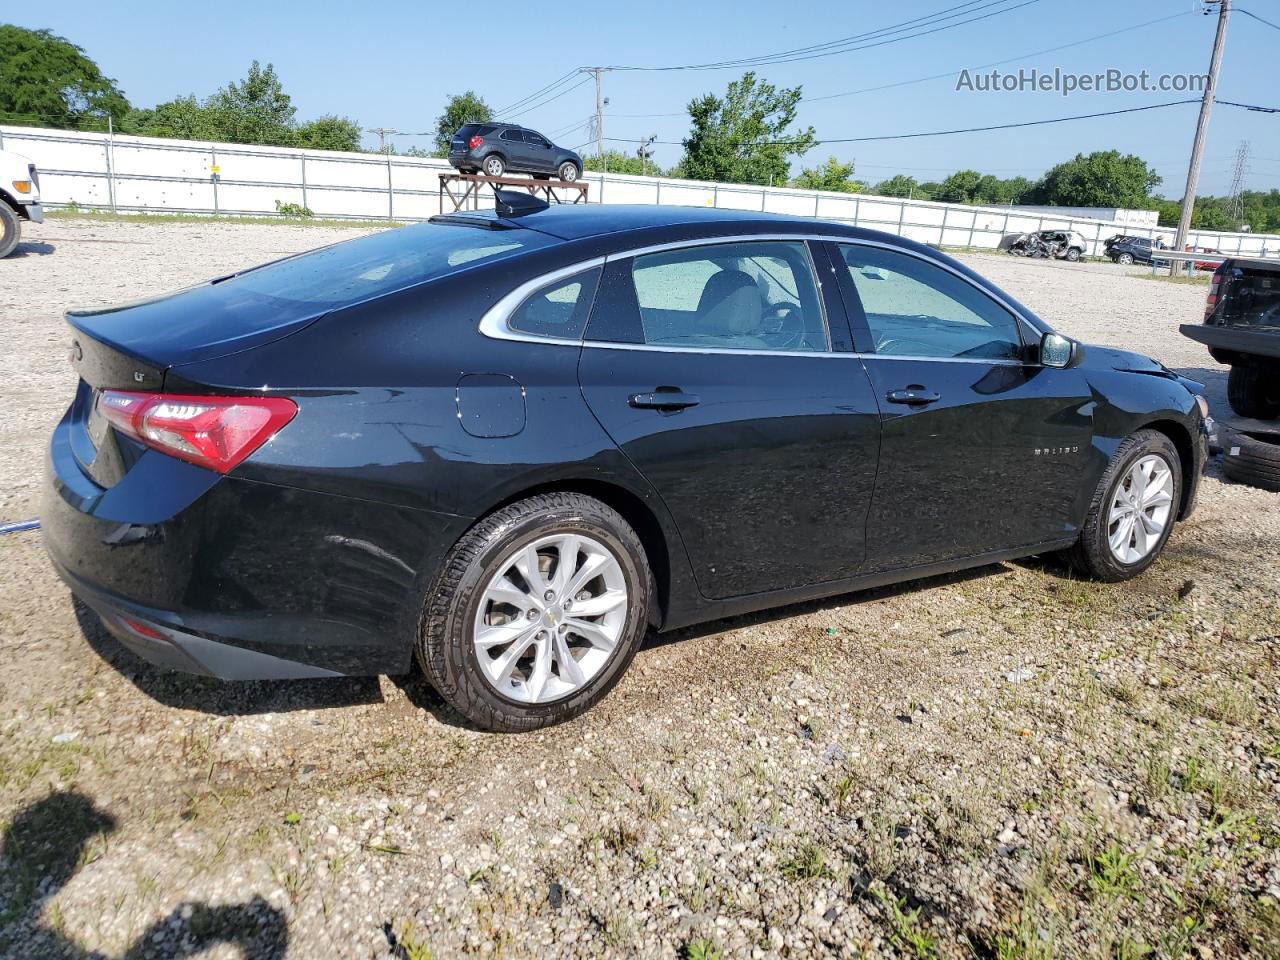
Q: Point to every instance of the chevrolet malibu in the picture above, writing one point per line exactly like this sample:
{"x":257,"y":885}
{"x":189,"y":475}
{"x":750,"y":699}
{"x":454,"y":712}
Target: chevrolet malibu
{"x":510,"y":443}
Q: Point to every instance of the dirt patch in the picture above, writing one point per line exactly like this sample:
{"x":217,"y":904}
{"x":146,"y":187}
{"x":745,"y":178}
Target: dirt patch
{"x":1007,"y":762}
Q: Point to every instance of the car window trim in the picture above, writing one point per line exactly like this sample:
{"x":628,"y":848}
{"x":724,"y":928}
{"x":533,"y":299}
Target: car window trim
{"x":493,"y":323}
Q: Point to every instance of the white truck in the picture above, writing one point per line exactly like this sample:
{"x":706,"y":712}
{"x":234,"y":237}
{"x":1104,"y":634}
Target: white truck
{"x":19,"y":199}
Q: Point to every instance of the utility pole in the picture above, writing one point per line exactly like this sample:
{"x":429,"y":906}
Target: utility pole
{"x":601,"y":102}
{"x":1202,"y":131}
{"x":383,"y":133}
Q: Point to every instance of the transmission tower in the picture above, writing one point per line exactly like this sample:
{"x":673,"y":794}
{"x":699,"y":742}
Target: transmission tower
{"x":1235,"y":203}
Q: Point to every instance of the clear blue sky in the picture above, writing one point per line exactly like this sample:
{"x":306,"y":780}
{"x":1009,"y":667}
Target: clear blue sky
{"x":393,"y":64}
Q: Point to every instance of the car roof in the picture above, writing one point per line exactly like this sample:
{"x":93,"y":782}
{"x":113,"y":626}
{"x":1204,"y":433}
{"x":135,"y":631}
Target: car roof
{"x":573,"y":221}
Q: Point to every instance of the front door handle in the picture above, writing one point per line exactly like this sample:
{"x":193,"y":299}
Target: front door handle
{"x":915,"y":396}
{"x":663,"y":400}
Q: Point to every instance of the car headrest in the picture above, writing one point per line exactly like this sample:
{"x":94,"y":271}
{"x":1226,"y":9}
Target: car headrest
{"x":731,"y":301}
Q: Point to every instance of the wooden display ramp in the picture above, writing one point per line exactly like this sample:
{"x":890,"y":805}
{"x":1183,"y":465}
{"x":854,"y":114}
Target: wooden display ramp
{"x":463,"y":189}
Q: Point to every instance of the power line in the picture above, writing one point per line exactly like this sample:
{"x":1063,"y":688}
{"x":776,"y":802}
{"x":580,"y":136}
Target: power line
{"x":847,"y":44}
{"x":997,"y":63}
{"x":944,"y":133}
{"x":564,"y":78}
{"x":542,"y":103}
{"x":1247,"y":13}
{"x":950,"y":73}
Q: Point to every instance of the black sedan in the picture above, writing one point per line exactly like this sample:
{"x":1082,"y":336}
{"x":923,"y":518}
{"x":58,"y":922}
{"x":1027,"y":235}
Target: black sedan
{"x":511,"y":443}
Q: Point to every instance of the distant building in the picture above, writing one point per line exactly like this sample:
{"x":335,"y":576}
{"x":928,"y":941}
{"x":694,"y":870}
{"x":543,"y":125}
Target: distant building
{"x":1129,"y":218}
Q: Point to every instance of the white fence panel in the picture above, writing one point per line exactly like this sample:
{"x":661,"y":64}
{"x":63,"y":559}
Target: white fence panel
{"x":141,"y":173}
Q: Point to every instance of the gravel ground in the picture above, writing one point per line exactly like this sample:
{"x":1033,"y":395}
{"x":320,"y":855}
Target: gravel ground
{"x":1003,"y":763}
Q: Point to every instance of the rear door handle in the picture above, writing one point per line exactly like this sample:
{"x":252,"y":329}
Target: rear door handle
{"x":913,"y":396}
{"x":663,"y":400}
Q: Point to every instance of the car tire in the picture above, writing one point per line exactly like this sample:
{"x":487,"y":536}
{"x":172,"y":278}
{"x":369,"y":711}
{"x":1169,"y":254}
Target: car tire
{"x":1253,"y":457}
{"x":1254,"y":392}
{"x":483,"y":565}
{"x":10,"y":230}
{"x":1125,"y":259}
{"x":1094,"y":554}
{"x":1072,"y":254}
{"x":494,"y":165}
{"x":568,"y":171}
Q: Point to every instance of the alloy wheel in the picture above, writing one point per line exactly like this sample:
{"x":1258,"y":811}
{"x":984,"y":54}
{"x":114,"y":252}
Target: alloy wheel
{"x":1140,"y":509}
{"x":550,"y":618}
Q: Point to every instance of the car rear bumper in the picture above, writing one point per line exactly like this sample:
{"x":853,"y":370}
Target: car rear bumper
{"x":240,"y":579}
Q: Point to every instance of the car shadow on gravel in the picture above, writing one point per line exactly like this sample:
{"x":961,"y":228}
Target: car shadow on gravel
{"x":49,"y":841}
{"x":31,"y":248}
{"x":222,"y":697}
{"x":774,"y":614}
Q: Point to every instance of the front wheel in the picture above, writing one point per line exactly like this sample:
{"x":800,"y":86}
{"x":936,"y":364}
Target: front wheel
{"x":10,"y":230}
{"x":568,"y":171}
{"x":1132,"y":511}
{"x":536,"y":613}
{"x":494,"y":166}
{"x":1125,"y":259}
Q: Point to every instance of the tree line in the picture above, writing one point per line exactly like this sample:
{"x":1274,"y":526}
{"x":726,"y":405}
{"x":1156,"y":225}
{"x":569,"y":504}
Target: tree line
{"x":747,"y":135}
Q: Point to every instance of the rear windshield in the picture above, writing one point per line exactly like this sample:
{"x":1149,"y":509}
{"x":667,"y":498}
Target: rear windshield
{"x":380,"y":263}
{"x":475,"y":130}
{"x":1252,"y":300}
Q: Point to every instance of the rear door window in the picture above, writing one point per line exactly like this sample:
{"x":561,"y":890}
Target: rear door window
{"x":512,"y":136}
{"x":559,"y":310}
{"x":758,"y":295}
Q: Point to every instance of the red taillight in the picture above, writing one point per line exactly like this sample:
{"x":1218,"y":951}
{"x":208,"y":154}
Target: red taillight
{"x":1211,"y":301}
{"x":475,"y":142}
{"x":213,"y":432}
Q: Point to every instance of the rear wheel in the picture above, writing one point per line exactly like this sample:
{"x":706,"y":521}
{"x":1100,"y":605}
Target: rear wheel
{"x":10,"y":229}
{"x":1133,"y":509}
{"x":537,"y":612}
{"x":1072,"y":254}
{"x":1254,"y":391}
{"x":494,"y":165}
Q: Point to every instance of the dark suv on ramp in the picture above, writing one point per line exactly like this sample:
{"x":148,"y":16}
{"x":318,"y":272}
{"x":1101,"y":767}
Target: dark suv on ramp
{"x":510,"y":444}
{"x":496,"y":149}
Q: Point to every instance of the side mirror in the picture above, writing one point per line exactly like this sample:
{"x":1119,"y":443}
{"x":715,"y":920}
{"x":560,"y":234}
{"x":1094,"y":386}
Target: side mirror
{"x":1057,"y":350}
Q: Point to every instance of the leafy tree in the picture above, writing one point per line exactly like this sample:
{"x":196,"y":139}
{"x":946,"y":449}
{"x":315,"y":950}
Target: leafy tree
{"x":833,"y":175}
{"x":960,"y":187}
{"x":743,"y":137}
{"x":329,"y":133}
{"x":256,"y":110}
{"x":899,"y":185}
{"x":48,"y":81}
{"x":929,"y":190}
{"x":1104,"y":178}
{"x":462,"y":108}
{"x":183,"y":118}
{"x":617,"y":162}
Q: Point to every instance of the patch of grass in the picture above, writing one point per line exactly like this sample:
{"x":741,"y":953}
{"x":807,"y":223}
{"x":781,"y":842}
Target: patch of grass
{"x":1200,"y":278}
{"x":1111,"y":871}
{"x":909,"y":935}
{"x":701,"y":950}
{"x":77,"y":213}
{"x":809,"y":863}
